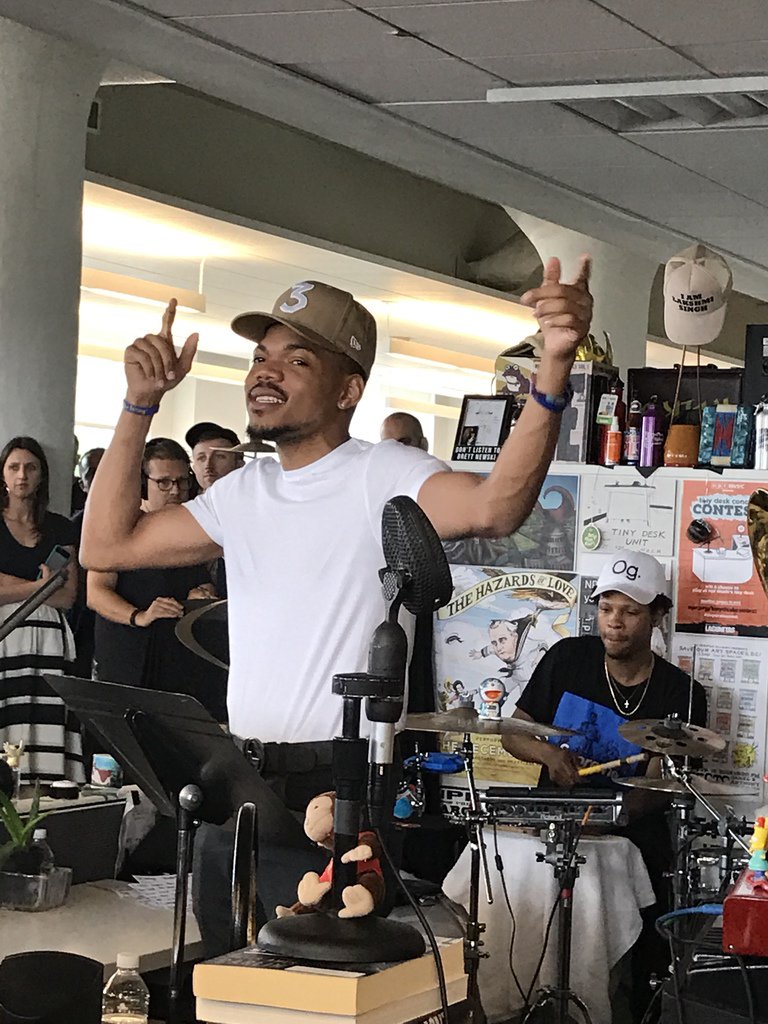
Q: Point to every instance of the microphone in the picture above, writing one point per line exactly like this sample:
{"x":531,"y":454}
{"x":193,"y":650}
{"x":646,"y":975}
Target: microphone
{"x":416,"y":562}
{"x":416,"y":575}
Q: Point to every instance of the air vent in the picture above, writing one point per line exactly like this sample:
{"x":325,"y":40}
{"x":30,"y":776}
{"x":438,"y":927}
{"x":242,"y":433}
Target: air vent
{"x":630,"y":107}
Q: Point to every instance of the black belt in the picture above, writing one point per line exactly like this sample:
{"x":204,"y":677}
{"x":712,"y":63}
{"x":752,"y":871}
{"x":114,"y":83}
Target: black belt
{"x":287,"y":758}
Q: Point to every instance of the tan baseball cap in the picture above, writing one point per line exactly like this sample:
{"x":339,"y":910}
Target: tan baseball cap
{"x":322,"y":314}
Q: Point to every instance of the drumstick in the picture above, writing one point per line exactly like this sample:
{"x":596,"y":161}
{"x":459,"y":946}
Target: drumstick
{"x":595,"y":769}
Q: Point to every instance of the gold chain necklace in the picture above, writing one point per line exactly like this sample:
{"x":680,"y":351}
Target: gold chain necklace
{"x":613,"y":690}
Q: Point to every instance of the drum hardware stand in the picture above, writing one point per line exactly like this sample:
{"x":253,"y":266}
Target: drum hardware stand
{"x":723,"y":821}
{"x":475,"y":818}
{"x":561,"y":840}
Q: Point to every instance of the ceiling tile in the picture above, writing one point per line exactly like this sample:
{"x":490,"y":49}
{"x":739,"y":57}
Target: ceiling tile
{"x":732,"y":158}
{"x":696,"y":21}
{"x":504,"y":129}
{"x":220,"y":8}
{"x":394,"y":81}
{"x":589,"y":66}
{"x":741,"y":58}
{"x":504,"y":28}
{"x":301,"y":38}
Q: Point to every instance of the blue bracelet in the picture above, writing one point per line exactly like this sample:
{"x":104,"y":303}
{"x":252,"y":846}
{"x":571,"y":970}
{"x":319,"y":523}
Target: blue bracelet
{"x":553,"y":403}
{"x":140,"y":410}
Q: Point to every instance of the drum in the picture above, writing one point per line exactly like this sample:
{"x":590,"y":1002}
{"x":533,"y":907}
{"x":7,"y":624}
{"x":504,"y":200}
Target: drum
{"x":712,"y":869}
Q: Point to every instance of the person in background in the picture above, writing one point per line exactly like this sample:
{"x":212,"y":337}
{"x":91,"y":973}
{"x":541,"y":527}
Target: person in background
{"x":137,"y":611}
{"x":80,"y":617}
{"x":402,"y":427}
{"x":30,"y":711}
{"x":210,"y":460}
{"x":77,"y":497}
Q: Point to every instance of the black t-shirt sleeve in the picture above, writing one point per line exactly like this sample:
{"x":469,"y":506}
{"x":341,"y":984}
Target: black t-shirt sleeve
{"x":59,"y":530}
{"x":542,"y":693}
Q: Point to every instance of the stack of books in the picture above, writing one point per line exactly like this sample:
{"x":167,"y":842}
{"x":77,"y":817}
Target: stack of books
{"x":252,"y":987}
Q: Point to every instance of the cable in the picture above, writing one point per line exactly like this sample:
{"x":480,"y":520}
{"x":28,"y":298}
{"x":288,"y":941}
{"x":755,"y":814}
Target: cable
{"x":544,"y":948}
{"x":647,"y":1015}
{"x":423,"y":922}
{"x":500,"y":868}
{"x":747,"y":988}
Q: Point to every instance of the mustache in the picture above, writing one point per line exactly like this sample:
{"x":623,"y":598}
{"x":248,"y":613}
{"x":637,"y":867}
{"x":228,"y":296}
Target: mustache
{"x":265,"y":389}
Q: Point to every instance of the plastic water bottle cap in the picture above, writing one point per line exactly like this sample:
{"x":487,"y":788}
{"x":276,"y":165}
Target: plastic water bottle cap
{"x":39,"y":833}
{"x":127,"y":962}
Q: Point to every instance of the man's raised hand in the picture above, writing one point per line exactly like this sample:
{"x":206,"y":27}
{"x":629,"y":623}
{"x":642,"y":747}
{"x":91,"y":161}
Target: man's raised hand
{"x":564,"y":311}
{"x":152,"y":366}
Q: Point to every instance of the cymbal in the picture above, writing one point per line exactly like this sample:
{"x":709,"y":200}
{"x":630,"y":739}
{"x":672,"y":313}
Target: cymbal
{"x":704,"y":786}
{"x":468,"y":720}
{"x":670,"y":736}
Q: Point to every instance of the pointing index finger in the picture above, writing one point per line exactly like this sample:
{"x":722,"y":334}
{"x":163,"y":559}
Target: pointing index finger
{"x":585,"y":269}
{"x":169,"y":316}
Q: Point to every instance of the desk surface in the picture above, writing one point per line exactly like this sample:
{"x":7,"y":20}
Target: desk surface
{"x":98,"y":923}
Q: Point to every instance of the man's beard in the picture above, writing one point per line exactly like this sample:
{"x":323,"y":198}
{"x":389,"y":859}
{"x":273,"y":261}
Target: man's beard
{"x":286,"y":433}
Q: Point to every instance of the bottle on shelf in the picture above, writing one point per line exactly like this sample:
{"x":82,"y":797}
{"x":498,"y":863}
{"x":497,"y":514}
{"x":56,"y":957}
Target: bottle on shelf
{"x":620,"y":412}
{"x":613,"y":444}
{"x":41,"y":851}
{"x":632,"y":434}
{"x":126,"y":997}
{"x":652,"y":435}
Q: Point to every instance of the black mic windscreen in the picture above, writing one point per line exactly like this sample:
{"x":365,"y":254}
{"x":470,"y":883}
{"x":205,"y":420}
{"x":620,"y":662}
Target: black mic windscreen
{"x":412,"y":548}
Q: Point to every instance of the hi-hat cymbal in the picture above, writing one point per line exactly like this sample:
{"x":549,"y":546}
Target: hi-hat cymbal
{"x":704,"y":786}
{"x":468,"y":720}
{"x":672,"y":736}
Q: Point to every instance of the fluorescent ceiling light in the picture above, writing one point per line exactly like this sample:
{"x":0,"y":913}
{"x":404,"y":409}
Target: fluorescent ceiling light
{"x":444,"y":356}
{"x":472,"y":323}
{"x":104,"y":282}
{"x":619,"y":90}
{"x":115,"y":229}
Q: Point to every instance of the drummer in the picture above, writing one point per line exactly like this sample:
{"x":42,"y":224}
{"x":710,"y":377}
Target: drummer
{"x":594,"y":684}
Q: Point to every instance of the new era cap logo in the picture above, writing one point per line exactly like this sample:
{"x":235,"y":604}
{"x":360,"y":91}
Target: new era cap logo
{"x":355,"y":344}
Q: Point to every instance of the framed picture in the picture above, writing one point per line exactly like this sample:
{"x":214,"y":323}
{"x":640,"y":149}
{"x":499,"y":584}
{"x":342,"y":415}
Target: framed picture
{"x":484,"y":424}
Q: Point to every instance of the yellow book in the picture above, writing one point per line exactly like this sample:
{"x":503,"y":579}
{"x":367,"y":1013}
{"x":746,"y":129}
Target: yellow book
{"x":263,"y":979}
{"x":419,"y":1009}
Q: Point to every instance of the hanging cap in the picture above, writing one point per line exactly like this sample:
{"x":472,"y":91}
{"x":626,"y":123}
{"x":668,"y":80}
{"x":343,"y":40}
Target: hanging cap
{"x":319,"y":313}
{"x":697,"y":283}
{"x":634,"y":574}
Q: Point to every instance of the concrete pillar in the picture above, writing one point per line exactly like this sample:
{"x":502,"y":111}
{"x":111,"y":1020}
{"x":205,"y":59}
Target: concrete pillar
{"x":46,"y":89}
{"x":621,"y":283}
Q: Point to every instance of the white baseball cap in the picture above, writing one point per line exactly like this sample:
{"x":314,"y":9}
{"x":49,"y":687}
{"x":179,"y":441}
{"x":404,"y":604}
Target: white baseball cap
{"x":697,"y":283}
{"x":634,"y":574}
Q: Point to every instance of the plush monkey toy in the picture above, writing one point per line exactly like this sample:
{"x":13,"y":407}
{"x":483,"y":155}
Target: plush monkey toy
{"x":359,"y":899}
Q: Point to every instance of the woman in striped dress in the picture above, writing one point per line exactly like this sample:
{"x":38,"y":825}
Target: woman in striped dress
{"x":30,"y":712}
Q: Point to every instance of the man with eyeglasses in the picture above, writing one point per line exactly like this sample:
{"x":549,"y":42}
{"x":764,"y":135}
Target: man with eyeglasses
{"x":135,"y":641}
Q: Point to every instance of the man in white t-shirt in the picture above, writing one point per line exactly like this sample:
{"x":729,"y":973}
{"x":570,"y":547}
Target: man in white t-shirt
{"x":301,"y":535}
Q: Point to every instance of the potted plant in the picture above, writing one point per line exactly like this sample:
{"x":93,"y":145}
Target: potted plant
{"x":24,"y":885}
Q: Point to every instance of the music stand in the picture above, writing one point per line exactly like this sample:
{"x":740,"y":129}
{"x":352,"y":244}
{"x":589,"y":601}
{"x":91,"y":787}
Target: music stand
{"x":187,"y":765}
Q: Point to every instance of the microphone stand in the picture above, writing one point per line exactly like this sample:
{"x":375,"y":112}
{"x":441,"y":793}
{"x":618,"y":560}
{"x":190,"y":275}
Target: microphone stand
{"x":17,"y":617}
{"x":323,"y":935}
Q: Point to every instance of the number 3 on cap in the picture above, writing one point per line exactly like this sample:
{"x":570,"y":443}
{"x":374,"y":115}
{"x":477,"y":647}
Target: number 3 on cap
{"x":299,"y":297}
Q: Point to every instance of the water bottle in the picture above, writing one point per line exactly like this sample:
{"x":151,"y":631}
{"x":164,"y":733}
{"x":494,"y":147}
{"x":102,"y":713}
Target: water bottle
{"x":126,"y":997}
{"x":41,"y":851}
